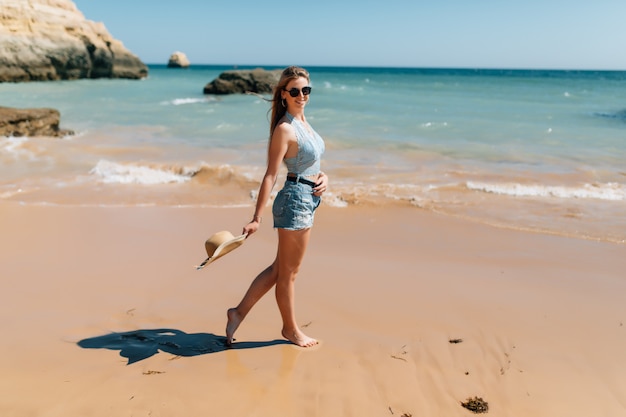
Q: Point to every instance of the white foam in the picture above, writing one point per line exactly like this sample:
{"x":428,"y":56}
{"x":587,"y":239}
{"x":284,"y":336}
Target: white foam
{"x":434,"y":125}
{"x":116,"y":173}
{"x":329,"y":85}
{"x":609,"y":191}
{"x":13,"y":146}
{"x":334,"y":201}
{"x":189,"y":100}
{"x":9,"y":194}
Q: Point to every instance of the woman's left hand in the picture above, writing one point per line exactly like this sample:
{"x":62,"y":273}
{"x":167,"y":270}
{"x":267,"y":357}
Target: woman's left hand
{"x":321,"y":184}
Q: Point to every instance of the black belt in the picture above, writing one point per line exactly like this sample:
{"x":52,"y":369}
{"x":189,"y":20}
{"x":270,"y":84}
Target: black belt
{"x":301,"y":180}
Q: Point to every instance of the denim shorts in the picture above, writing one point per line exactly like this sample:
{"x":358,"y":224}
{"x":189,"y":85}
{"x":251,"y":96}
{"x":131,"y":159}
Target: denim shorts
{"x":294,"y":206}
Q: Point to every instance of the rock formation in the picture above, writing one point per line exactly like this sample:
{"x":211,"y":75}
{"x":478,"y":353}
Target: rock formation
{"x":258,"y":81}
{"x":51,"y":40}
{"x":178,"y":60}
{"x":31,"y":122}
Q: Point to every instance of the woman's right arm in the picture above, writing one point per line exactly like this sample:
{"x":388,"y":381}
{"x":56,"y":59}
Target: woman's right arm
{"x":283,"y":137}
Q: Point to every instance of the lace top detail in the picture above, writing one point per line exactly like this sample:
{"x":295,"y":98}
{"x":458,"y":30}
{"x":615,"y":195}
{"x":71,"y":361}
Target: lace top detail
{"x":310,"y":149}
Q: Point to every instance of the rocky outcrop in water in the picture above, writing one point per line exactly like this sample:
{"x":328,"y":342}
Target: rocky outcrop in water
{"x":258,"y":81}
{"x":31,"y":122}
{"x":178,"y":60}
{"x":51,"y":40}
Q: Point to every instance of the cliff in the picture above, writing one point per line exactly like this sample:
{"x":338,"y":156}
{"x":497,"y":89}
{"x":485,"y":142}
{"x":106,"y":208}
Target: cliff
{"x":51,"y":40}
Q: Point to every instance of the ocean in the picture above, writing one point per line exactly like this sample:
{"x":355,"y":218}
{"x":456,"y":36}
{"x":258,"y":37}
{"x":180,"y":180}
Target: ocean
{"x":534,"y":150}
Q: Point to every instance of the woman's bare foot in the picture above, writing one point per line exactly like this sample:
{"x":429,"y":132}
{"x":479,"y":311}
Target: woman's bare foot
{"x":234,"y":320}
{"x":298,"y":338}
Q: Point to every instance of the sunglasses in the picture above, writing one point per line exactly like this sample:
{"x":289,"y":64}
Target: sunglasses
{"x":295,"y":92}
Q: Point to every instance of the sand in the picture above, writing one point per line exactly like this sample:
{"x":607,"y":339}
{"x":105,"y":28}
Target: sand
{"x":539,"y":320}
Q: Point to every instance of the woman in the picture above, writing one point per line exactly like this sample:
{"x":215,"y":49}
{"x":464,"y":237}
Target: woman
{"x":294,"y":142}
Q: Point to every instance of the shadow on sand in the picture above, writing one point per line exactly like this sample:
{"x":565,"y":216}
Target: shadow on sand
{"x":138,"y":345}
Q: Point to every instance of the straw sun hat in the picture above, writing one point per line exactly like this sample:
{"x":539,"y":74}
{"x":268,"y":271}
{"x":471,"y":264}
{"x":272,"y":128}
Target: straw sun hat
{"x":219,"y":245}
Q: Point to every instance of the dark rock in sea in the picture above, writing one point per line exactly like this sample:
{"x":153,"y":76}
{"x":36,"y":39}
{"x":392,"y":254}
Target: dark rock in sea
{"x":258,"y":81}
{"x":43,"y":40}
{"x":31,"y":122}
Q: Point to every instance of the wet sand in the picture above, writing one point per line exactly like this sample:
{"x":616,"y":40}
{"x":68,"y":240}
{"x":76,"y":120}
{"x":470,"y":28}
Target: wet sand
{"x":103,"y":314}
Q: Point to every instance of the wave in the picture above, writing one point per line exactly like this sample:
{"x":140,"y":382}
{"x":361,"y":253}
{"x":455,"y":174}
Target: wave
{"x":189,"y":100}
{"x":118,"y":173}
{"x":9,"y":194}
{"x":327,"y":85}
{"x":111,"y":172}
{"x":16,"y":148}
{"x":609,"y":191}
{"x":434,"y":125}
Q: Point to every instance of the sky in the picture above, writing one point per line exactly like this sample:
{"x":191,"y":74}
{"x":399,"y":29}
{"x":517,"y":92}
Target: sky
{"x":511,"y":34}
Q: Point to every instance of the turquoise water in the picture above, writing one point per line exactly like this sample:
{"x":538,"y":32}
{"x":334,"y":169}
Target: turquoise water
{"x":535,"y":150}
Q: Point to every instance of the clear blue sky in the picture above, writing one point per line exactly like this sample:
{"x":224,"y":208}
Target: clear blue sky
{"x":557,"y":34}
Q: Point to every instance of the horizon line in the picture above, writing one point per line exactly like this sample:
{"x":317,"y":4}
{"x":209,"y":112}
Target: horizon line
{"x":400,"y":67}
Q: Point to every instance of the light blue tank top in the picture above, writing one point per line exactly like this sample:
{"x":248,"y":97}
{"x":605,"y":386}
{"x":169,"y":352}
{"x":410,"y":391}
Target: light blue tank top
{"x":310,"y":149}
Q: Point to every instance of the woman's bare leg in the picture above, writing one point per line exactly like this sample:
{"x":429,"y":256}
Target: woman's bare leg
{"x":261,"y":285}
{"x":292,"y":245}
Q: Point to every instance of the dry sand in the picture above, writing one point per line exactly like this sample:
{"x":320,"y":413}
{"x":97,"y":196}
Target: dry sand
{"x":542,"y":319}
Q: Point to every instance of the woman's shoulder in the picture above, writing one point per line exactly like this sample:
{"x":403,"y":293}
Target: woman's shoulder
{"x":284,"y":134}
{"x":284,"y":127}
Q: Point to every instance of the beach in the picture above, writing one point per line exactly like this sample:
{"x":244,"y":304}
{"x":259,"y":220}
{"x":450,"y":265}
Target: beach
{"x":104,"y":314}
{"x":468,"y":255}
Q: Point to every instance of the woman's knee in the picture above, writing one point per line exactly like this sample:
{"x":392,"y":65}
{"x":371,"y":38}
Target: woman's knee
{"x":287,"y":275}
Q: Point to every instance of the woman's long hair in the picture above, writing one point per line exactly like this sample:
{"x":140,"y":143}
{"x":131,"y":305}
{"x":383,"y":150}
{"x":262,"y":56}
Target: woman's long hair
{"x":278,"y":109}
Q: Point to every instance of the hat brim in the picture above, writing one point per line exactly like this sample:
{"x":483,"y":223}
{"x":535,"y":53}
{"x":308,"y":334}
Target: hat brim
{"x":223,"y":249}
